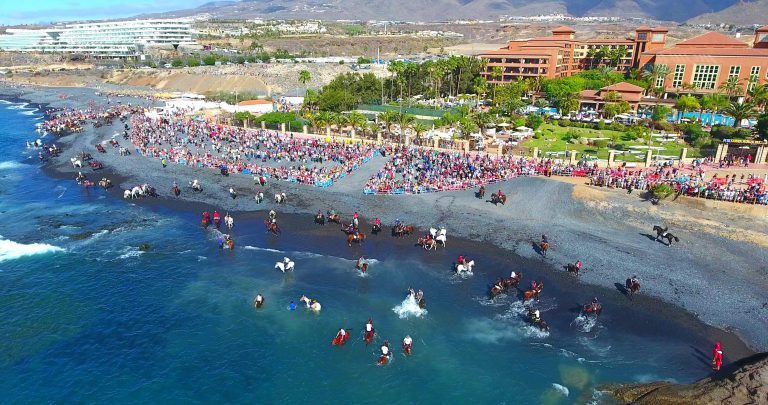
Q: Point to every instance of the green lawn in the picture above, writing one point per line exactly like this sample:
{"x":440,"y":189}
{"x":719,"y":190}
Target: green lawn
{"x":554,"y":138}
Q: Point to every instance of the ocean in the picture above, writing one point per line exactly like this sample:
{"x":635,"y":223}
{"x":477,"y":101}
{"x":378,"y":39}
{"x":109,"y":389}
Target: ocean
{"x":88,"y":317}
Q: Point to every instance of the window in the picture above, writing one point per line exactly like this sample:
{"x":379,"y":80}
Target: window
{"x":677,"y":80}
{"x":754,"y":76}
{"x":657,"y":38}
{"x":642,"y":36}
{"x":705,"y":76}
{"x":734,"y":72}
{"x":659,"y":81}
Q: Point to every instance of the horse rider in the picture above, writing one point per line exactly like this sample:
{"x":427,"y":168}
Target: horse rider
{"x":332,"y":213}
{"x":377,"y":223}
{"x":536,"y":316}
{"x":195,"y":184}
{"x":355,"y":221}
{"x":460,"y":260}
{"x":341,"y":334}
{"x":595,"y":304}
{"x":398,"y":223}
{"x":407,"y":342}
{"x":513,"y":275}
{"x":259,"y":300}
{"x":633,"y":280}
{"x":361,"y":261}
{"x":206,"y":216}
{"x":232,"y":192}
{"x":500,"y":195}
{"x":369,"y":325}
{"x":351,"y":229}
{"x":544,"y":239}
{"x":578,"y":264}
{"x":419,"y":295}
{"x":385,"y":349}
{"x":717,"y":357}
{"x":216,"y":216}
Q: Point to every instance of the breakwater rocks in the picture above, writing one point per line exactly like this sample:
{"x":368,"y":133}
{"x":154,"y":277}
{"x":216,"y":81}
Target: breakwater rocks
{"x":743,"y":382}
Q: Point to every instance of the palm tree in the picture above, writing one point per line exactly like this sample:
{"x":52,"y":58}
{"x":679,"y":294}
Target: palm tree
{"x":732,"y":87}
{"x":658,"y":70}
{"x":357,"y":120}
{"x":714,"y":103}
{"x":420,"y":128}
{"x":304,"y":78}
{"x":759,"y":96}
{"x":314,"y":120}
{"x":740,"y":111}
{"x":325,"y":119}
{"x":404,"y":120}
{"x":388,"y":117}
{"x":591,"y":56}
{"x":685,"y":104}
{"x":497,"y":73}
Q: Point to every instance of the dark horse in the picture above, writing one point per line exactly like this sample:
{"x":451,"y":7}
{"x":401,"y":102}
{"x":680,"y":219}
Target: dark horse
{"x":632,"y":286}
{"x":663,"y":233}
{"x":480,"y":193}
{"x":495,"y":199}
{"x":320,"y":219}
{"x":572,"y":268}
{"x":402,"y":230}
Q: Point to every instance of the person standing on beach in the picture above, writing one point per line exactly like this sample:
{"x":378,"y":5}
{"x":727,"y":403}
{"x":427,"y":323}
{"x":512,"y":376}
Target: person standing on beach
{"x":717,"y":357}
{"x":163,"y":162}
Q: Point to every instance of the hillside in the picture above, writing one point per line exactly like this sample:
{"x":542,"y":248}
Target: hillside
{"x":438,"y":10}
{"x":741,"y":13}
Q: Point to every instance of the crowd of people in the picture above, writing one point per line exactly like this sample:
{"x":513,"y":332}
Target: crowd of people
{"x":203,"y":143}
{"x":69,"y":121}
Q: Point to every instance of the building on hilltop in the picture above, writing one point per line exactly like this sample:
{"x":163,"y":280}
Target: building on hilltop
{"x":703,"y":64}
{"x":109,"y":39}
{"x":562,"y":55}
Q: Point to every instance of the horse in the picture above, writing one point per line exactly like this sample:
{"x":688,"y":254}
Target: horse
{"x":375,"y":229}
{"x":76,"y":163}
{"x":272,"y":227}
{"x":593,"y":309}
{"x":544,"y":246}
{"x":358,"y":237}
{"x":496,"y":289}
{"x":320,"y":219}
{"x":262,"y":181}
{"x":362,"y":265}
{"x":195,"y":186}
{"x":279,"y":198}
{"x":339,"y":339}
{"x":465,"y":268}
{"x":530,"y":294}
{"x":441,"y":239}
{"x":258,"y":301}
{"x":335,"y":218}
{"x":311,"y":304}
{"x":105,"y":183}
{"x":259,"y":197}
{"x":481,"y":193}
{"x":175,"y":190}
{"x":663,"y":233}
{"x":229,"y":221}
{"x":402,"y":230}
{"x":495,"y":199}
{"x":286,"y":265}
{"x":369,"y":335}
{"x":537,"y":322}
{"x":427,"y":244}
{"x":572,"y":268}
{"x":632,"y":286}
{"x":434,"y":233}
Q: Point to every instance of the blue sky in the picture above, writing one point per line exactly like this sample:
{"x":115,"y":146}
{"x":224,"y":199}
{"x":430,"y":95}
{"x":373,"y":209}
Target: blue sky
{"x":34,"y":11}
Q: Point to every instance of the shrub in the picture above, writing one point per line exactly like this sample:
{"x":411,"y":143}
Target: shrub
{"x":617,"y":126}
{"x":601,"y":125}
{"x":534,"y":121}
{"x":209,"y":60}
{"x":662,"y":191}
{"x":601,"y":143}
{"x":177,"y":63}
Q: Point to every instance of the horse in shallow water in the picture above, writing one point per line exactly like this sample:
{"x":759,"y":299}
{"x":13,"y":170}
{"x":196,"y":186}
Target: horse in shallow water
{"x":358,"y":237}
{"x":402,"y":230}
{"x":665,"y":234}
{"x":272,"y":227}
{"x":572,"y":268}
{"x":311,"y":304}
{"x":427,"y":244}
{"x":543,"y":247}
{"x":320,"y":219}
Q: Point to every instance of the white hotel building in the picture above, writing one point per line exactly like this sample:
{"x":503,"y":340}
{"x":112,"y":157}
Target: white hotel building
{"x":112,"y":39}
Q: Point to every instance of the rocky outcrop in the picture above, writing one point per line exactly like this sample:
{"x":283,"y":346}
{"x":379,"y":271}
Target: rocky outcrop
{"x":744,"y":382}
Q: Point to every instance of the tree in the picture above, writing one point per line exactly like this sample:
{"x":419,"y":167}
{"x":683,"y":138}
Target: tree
{"x":732,"y":87}
{"x":357,"y":120}
{"x":740,"y":111}
{"x":713,"y":102}
{"x":762,"y":126}
{"x":759,"y":96}
{"x":388,"y":117}
{"x":304,"y":78}
{"x":662,"y":191}
{"x":687,"y":103}
{"x":497,"y":74}
{"x":420,"y":128}
{"x":660,"y":113}
{"x":616,"y":55}
{"x":612,"y":96}
{"x":658,"y":71}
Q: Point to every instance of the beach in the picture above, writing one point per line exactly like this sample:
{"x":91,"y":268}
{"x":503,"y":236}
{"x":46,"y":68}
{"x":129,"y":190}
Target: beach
{"x":148,"y":319}
{"x":609,"y":233}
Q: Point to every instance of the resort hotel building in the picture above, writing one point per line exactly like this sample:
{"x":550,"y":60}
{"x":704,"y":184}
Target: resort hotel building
{"x":699,"y":65}
{"x":111,"y":39}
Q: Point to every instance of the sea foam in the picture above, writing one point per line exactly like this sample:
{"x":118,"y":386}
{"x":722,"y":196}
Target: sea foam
{"x":10,"y":250}
{"x":409,"y":307}
{"x":8,"y":165}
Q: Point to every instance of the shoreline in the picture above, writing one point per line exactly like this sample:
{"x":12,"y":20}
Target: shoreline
{"x":345,"y":197}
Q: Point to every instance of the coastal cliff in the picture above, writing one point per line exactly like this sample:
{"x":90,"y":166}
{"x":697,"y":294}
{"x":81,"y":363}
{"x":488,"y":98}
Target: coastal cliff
{"x":744,"y":382}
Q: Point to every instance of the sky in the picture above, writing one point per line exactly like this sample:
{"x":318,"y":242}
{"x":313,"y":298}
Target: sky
{"x":14,"y":12}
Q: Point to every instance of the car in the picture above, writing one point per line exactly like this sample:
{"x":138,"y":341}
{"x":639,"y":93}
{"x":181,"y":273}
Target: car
{"x":167,"y":66}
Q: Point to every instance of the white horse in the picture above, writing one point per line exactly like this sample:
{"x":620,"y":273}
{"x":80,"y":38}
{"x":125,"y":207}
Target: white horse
{"x":438,"y":236}
{"x":232,"y":192}
{"x":280,"y":198}
{"x":441,"y":239}
{"x":465,"y":268}
{"x":195,"y":185}
{"x":127,"y":194}
{"x":259,"y":197}
{"x":229,"y":221}
{"x":286,"y":265}
{"x":311,"y":304}
{"x":137,"y":192}
{"x":76,"y":162}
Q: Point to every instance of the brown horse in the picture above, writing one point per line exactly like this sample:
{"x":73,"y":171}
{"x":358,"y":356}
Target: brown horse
{"x":428,"y":244}
{"x":530,"y":294}
{"x":272,"y":227}
{"x":355,"y":237}
{"x":334,"y":218}
{"x":544,"y":246}
{"x":402,"y":230}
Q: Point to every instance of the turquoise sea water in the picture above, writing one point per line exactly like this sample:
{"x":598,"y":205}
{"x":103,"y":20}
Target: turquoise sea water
{"x":89,"y":318}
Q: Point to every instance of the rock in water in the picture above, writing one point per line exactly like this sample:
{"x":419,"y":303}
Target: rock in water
{"x":743,"y":382}
{"x":144,"y":247}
